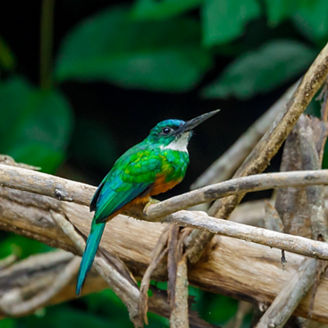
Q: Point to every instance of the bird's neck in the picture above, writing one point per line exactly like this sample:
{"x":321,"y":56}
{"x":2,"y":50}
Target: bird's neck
{"x":179,"y":144}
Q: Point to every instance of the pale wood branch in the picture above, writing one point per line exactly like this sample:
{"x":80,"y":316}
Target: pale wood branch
{"x":179,"y":314}
{"x":14,"y":304}
{"x":291,"y":243}
{"x":236,"y":186}
{"x":48,"y":185}
{"x":123,"y":288}
{"x":267,"y":147}
{"x":231,"y":266}
{"x":224,"y":167}
{"x":291,"y":294}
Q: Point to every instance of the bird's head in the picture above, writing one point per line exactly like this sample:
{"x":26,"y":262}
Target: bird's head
{"x":175,"y":134}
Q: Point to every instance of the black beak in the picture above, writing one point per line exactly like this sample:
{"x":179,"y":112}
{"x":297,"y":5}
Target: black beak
{"x":191,"y":124}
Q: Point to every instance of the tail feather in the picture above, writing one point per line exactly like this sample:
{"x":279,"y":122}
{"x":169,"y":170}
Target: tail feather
{"x":89,"y":254}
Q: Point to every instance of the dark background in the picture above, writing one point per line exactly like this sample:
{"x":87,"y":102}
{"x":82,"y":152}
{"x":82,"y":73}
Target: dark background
{"x":75,"y":121}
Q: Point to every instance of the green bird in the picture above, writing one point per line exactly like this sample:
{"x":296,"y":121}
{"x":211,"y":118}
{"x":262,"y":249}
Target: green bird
{"x":151,"y":167}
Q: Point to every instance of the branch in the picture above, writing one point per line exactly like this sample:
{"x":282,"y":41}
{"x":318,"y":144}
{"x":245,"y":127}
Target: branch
{"x":179,"y":315}
{"x":123,"y":288}
{"x":63,"y":189}
{"x":228,"y":162}
{"x":14,"y":304}
{"x":236,"y":186}
{"x":291,"y":243}
{"x":291,"y":294}
{"x":267,"y":147}
{"x":240,"y":276}
{"x":45,"y":184}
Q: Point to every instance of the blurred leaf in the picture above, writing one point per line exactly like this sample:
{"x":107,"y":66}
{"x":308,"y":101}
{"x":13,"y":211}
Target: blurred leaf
{"x":92,"y":144}
{"x":154,"y":9}
{"x":7,"y":323}
{"x":98,"y":302}
{"x":106,"y":303}
{"x":21,"y":246}
{"x":278,"y":10}
{"x":224,"y":21}
{"x":7,"y":59}
{"x":35,"y":124}
{"x":261,"y":70}
{"x":65,"y":317}
{"x":150,"y":55}
{"x":312,"y":19}
{"x":220,"y":309}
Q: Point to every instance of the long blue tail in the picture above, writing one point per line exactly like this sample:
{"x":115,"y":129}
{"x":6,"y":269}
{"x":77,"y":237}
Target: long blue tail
{"x":89,"y":254}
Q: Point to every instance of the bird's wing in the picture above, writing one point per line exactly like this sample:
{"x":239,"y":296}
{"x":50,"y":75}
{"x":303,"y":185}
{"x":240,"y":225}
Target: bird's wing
{"x":130,"y":177}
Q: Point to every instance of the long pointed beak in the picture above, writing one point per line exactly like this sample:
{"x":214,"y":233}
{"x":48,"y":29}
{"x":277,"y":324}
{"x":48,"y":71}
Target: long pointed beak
{"x":191,"y":124}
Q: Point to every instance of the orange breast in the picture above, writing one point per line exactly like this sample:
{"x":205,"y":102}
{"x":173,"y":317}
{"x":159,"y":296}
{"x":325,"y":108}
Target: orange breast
{"x":160,"y":185}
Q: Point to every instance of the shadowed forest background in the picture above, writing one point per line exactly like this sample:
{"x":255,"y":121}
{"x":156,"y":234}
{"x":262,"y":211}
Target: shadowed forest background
{"x":82,"y":81}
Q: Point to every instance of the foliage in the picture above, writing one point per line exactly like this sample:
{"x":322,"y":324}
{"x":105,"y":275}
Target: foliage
{"x":152,"y":55}
{"x":261,"y":70}
{"x":218,"y":49}
{"x":35,"y":126}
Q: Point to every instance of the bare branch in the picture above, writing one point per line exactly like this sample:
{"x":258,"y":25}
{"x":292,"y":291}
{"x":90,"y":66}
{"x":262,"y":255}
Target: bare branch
{"x":237,"y":186}
{"x":227,"y":163}
{"x":45,"y":184}
{"x":14,"y":303}
{"x":288,"y":299}
{"x":267,"y":147}
{"x":179,"y":315}
{"x":291,"y":243}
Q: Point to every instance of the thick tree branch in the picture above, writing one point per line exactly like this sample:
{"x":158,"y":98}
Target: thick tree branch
{"x":63,"y":189}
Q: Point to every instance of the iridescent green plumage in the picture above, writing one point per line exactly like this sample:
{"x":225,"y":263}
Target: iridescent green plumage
{"x":153,"y":166}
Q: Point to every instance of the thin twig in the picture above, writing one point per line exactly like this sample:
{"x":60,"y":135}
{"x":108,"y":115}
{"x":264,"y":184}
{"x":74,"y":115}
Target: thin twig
{"x":158,"y":254}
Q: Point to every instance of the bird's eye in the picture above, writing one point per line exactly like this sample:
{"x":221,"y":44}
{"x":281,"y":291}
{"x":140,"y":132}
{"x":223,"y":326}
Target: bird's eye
{"x":166,"y":130}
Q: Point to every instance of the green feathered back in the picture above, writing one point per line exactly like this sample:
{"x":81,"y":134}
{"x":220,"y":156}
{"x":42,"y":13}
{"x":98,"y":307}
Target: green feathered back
{"x":132,"y":174}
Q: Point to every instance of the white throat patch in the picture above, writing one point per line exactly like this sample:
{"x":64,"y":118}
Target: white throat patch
{"x":179,"y":144}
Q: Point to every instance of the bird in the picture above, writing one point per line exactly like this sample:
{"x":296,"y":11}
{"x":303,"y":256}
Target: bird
{"x":149,"y":168}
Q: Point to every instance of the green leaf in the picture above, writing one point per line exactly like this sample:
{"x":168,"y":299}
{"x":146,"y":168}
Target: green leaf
{"x":7,"y":58}
{"x":7,"y":323}
{"x":35,"y":124}
{"x":224,"y":21}
{"x":65,"y":317}
{"x":154,"y":9}
{"x":261,"y":70}
{"x":21,"y":246}
{"x":278,"y":10}
{"x":309,"y":16}
{"x":113,"y":47}
{"x":312,"y":19}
